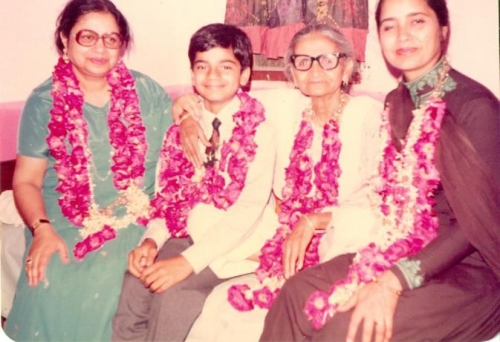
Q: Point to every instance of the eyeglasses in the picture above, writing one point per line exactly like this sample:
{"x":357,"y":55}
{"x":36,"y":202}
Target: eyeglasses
{"x":90,"y":38}
{"x":327,"y":61}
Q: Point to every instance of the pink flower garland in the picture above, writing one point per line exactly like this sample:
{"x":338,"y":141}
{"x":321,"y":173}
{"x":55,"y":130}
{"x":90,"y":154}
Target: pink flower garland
{"x":179,"y":192}
{"x":403,"y":194}
{"x":296,"y":202}
{"x":68,"y":126}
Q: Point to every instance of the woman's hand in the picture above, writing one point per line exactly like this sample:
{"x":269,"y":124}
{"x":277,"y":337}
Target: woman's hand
{"x":187,"y":110}
{"x":374,"y":306}
{"x":27,"y":185}
{"x":295,"y":246}
{"x":45,"y":242}
{"x":142,"y":257}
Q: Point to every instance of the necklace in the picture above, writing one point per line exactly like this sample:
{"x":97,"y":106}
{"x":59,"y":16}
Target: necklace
{"x":68,"y":128}
{"x":96,"y":172}
{"x":182,"y":187}
{"x":402,"y":197}
{"x":310,"y":114}
{"x":301,"y":195}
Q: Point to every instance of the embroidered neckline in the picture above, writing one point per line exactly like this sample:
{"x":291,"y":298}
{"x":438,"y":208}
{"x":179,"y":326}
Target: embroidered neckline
{"x":68,"y":128}
{"x":299,"y":198}
{"x":181,"y":186}
{"x":421,"y":88}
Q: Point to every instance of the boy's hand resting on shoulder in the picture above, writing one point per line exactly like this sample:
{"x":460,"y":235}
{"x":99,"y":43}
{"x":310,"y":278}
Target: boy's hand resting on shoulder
{"x":166,"y":273}
{"x":142,"y":257}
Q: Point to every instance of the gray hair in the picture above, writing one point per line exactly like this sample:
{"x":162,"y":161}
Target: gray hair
{"x":325,"y":30}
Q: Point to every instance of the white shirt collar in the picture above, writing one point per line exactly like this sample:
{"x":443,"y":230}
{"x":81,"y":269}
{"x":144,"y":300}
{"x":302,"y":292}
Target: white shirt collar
{"x":225,"y":116}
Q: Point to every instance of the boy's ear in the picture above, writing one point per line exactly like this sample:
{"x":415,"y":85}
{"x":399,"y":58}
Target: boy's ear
{"x":245,"y":76}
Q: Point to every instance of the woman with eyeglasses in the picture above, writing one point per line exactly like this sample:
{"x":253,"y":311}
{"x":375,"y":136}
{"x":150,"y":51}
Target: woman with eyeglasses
{"x":87,"y":152}
{"x":325,"y":153}
{"x":432,"y":272}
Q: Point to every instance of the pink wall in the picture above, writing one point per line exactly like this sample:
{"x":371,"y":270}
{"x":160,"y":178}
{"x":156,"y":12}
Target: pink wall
{"x":162,"y":29}
{"x":9,"y":121}
{"x":161,"y":35}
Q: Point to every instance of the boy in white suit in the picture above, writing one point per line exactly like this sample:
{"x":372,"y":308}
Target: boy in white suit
{"x":201,"y":217}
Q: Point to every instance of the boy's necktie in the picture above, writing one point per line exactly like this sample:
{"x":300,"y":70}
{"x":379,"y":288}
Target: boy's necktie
{"x":214,"y":140}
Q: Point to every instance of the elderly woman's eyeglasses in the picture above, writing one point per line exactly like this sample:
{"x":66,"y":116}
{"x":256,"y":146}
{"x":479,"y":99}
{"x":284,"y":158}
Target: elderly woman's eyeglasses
{"x":327,"y":61}
{"x":89,"y":38}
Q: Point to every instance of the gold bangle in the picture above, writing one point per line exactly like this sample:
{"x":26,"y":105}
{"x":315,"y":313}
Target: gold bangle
{"x":387,"y":287}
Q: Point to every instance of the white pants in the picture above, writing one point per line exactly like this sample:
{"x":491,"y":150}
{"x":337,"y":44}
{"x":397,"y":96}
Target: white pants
{"x":220,"y":322}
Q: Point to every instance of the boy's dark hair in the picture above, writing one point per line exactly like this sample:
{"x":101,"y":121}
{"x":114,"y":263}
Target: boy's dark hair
{"x":224,"y":36}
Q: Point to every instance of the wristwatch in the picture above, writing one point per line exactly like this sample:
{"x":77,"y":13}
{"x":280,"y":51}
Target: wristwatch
{"x":37,"y":223}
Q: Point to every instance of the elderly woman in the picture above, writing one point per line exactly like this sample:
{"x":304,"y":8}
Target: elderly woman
{"x":88,"y":145}
{"x":433,"y":271}
{"x":325,"y":154}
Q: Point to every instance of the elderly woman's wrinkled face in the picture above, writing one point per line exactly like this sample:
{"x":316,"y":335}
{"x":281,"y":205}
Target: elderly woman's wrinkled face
{"x":318,"y":81}
{"x":98,"y":59}
{"x":410,"y":36}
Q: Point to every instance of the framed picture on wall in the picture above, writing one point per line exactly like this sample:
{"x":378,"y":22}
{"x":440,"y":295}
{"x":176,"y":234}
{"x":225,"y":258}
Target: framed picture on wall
{"x":271,"y":25}
{"x":266,"y":69}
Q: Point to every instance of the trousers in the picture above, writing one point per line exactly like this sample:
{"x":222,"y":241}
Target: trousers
{"x":168,"y":316}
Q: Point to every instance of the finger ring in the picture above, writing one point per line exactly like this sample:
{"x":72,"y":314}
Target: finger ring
{"x":29,"y":261}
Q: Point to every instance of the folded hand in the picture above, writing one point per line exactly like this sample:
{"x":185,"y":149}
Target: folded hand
{"x":374,"y":306}
{"x":166,"y":273}
{"x":142,"y":257}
